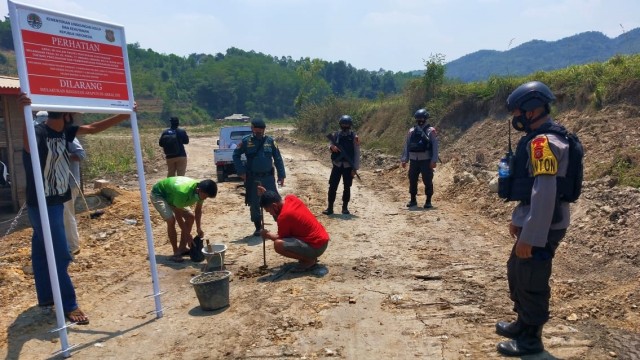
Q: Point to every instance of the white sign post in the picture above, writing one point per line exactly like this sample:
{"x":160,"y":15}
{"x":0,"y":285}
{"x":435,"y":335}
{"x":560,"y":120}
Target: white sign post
{"x":72,"y":64}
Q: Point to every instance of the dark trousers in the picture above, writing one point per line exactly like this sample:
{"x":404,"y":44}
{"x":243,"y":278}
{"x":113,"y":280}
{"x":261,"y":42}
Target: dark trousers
{"x":417,"y":168}
{"x":334,"y":181}
{"x":529,"y":280}
{"x":251,"y":187}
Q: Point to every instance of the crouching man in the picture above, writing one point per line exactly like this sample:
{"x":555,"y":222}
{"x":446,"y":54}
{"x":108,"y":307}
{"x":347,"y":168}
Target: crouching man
{"x":300,"y":236}
{"x":172,"y":197}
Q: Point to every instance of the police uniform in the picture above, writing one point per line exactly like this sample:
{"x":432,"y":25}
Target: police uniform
{"x":262,"y":154}
{"x":344,"y":162}
{"x":420,"y":153}
{"x":541,"y":161}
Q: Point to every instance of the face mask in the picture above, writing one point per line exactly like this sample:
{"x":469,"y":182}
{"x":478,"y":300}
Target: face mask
{"x":68,"y":120}
{"x":421,"y":122}
{"x":521,"y":123}
{"x":345,"y":128}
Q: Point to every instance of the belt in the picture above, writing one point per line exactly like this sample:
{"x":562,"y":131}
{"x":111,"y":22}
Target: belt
{"x":261,"y":174}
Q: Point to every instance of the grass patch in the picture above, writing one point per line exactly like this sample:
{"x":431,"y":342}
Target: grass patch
{"x":626,"y":168}
{"x":111,"y":154}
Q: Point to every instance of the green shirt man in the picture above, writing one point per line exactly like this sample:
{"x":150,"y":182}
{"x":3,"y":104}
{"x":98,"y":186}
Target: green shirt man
{"x":172,"y":197}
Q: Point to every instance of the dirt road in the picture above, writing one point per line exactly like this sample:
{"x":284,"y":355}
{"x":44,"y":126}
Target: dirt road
{"x":393,"y":284}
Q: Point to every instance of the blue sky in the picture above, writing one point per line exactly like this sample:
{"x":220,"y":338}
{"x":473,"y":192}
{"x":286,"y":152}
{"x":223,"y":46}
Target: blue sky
{"x":369,"y":34}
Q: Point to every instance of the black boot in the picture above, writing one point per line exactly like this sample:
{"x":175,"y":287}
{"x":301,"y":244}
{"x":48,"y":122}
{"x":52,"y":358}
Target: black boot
{"x":345,"y":207}
{"x":509,"y":329}
{"x":258,"y":228}
{"x":427,"y":204}
{"x":412,"y":202}
{"x":329,"y":210}
{"x":528,"y":342}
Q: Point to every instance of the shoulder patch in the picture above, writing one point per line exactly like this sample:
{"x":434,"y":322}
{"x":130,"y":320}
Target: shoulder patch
{"x":543,"y":160}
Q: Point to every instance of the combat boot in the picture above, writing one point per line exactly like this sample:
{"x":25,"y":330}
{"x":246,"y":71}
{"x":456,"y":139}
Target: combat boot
{"x":345,"y":210}
{"x":258,"y":225}
{"x":510,"y":330}
{"x":412,"y":202}
{"x":328,"y":211}
{"x":528,"y":342}
{"x":427,"y":204}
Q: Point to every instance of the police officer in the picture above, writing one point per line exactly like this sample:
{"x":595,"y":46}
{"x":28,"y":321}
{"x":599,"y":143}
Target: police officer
{"x":262,"y":153}
{"x":539,"y":221}
{"x":345,"y":156}
{"x":421,"y":151}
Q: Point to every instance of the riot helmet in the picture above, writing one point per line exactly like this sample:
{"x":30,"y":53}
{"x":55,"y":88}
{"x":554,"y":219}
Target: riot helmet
{"x":528,"y":97}
{"x":421,"y":116}
{"x":345,"y":122}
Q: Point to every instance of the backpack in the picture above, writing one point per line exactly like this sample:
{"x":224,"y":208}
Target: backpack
{"x":518,"y":186}
{"x":571,"y":188}
{"x":170,"y":143}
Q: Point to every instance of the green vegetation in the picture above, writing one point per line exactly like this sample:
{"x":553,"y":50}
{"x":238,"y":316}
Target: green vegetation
{"x":313,"y":94}
{"x":582,"y":48}
{"x":111,"y":153}
{"x":200,"y":88}
{"x":454,"y":106}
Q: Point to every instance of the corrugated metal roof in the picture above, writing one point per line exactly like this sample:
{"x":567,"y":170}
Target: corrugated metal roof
{"x":9,"y":85}
{"x":7,"y":82}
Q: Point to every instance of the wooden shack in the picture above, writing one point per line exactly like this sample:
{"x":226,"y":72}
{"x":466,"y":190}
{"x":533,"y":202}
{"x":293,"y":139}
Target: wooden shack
{"x":12,"y":195}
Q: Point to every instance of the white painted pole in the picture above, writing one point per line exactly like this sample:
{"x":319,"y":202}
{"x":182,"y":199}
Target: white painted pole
{"x":147,"y":217}
{"x":37,"y":177}
{"x":46,"y":231}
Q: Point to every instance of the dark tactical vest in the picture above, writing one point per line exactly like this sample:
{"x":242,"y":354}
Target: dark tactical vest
{"x":518,"y":186}
{"x":346,"y":143}
{"x":419,"y":140}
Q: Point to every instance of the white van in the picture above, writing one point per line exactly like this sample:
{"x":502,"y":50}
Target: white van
{"x":230,"y":137}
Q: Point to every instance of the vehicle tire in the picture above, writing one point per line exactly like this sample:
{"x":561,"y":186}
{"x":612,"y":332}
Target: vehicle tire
{"x":221,"y":174}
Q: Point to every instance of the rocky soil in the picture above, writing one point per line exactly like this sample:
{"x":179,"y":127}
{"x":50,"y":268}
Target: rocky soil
{"x":394,"y":283}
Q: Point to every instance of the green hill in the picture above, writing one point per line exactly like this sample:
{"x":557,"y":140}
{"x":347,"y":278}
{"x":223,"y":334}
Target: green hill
{"x":538,"y":55}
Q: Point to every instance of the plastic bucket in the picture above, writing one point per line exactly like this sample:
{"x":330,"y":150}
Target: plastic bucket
{"x":212,"y":289}
{"x":215,"y":257}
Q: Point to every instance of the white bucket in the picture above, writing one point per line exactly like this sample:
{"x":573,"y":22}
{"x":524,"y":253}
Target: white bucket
{"x":215,"y":257}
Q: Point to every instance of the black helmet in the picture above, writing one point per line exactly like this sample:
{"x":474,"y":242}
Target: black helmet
{"x":421,"y":114}
{"x":346,"y":120}
{"x":529,"y":96}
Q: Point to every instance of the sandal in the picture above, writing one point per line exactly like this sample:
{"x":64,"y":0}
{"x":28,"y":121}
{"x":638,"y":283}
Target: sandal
{"x":77,"y":317}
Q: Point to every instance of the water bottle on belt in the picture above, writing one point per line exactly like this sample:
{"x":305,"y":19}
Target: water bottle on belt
{"x":503,"y":168}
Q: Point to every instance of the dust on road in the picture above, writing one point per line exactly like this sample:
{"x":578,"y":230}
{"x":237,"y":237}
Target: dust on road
{"x":393,"y":284}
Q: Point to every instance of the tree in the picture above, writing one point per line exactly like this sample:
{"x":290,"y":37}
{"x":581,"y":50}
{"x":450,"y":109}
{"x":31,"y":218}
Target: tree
{"x":6,"y":39}
{"x":434,"y":76}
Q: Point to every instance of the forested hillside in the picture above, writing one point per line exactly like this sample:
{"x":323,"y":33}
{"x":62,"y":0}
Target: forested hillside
{"x":540,"y":55}
{"x":203,"y":87}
